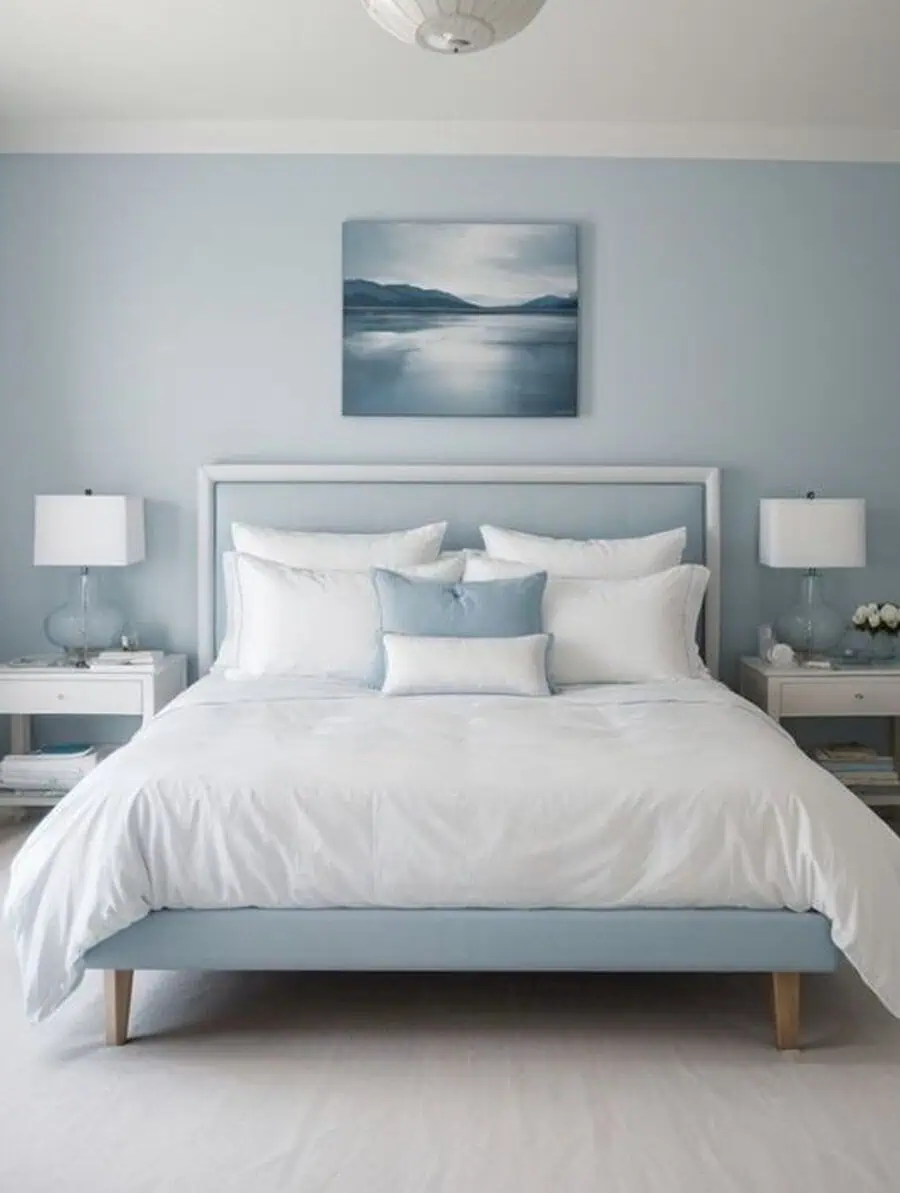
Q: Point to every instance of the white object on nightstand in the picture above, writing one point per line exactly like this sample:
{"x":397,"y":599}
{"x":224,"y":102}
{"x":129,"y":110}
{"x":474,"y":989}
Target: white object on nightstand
{"x":123,"y":692}
{"x":780,"y":655}
{"x":794,"y":691}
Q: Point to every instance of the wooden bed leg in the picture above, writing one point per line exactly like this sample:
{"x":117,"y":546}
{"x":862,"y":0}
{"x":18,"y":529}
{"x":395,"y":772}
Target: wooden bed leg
{"x":117,"y":983}
{"x":786,"y":1009}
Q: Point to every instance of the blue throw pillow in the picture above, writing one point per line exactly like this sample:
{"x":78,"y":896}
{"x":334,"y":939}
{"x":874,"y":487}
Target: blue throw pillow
{"x":434,"y":609}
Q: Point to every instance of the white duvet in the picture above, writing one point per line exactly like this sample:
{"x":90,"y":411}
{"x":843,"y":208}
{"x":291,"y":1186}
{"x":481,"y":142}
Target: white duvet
{"x":289,"y":794}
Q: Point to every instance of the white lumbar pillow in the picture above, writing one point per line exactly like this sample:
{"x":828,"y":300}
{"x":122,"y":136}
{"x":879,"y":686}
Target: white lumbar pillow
{"x":422,"y":666}
{"x":617,"y":631}
{"x":319,"y":623}
{"x":349,"y":552}
{"x":599,"y":559}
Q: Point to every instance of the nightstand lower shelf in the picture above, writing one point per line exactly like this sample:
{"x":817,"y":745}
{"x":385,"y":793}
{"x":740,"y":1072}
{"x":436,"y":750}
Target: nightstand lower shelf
{"x":795,"y":691}
{"x":878,"y":799}
{"x":36,"y":690}
{"x":10,"y":798}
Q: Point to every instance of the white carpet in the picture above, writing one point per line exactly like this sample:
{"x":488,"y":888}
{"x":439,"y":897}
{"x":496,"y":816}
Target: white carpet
{"x":290,"y":1084}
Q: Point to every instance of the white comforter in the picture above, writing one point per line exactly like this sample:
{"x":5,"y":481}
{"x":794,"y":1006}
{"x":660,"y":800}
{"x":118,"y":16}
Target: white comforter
{"x":282,"y":794}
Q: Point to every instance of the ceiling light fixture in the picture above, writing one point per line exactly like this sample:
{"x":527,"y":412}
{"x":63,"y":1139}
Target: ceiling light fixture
{"x":453,"y":26}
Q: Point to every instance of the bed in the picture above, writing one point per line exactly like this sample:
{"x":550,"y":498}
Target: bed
{"x":424,"y":891}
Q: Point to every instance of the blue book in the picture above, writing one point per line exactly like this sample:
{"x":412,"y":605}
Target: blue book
{"x":874,"y":764}
{"x":75,"y":749}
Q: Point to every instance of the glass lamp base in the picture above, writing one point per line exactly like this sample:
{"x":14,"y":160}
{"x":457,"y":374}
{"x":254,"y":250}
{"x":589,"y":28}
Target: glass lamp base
{"x":85,"y":622}
{"x":812,"y":628}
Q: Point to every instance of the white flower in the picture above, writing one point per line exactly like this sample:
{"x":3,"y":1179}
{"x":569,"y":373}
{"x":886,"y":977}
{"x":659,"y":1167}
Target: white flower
{"x":890,"y":615}
{"x":861,"y":616}
{"x":874,"y":621}
{"x":872,"y":607}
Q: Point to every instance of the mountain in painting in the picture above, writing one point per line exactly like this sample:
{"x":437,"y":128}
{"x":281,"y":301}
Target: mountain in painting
{"x":363,"y":295}
{"x":360,"y":294}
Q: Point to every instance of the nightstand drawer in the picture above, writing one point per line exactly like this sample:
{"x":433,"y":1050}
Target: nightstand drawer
{"x":839,"y":697}
{"x":36,"y":696}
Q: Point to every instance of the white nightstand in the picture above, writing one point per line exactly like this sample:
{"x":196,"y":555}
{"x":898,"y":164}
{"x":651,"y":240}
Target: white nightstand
{"x":844,"y":692}
{"x":124,"y":692}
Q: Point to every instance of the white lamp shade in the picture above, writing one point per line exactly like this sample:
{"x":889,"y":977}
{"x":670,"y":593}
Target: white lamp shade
{"x":817,"y":532}
{"x":453,"y":26}
{"x":88,"y":531}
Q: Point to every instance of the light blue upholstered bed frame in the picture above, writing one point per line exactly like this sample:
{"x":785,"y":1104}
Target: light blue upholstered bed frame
{"x":576,"y":501}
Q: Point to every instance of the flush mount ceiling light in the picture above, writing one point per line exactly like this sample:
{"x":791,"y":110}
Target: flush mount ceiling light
{"x":453,"y":26}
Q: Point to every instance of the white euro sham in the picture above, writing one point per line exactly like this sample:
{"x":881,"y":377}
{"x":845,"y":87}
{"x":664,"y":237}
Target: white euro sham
{"x":345,"y":552}
{"x":598,"y":559}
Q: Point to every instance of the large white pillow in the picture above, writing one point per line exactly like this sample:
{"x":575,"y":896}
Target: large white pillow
{"x":227,"y":656}
{"x":319,"y":623}
{"x":348,"y":552}
{"x":599,"y":559}
{"x":449,"y":567}
{"x":617,"y":631}
{"x":423,"y":666}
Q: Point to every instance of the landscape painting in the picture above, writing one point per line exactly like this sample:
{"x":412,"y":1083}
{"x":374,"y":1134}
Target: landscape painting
{"x":465,"y":320}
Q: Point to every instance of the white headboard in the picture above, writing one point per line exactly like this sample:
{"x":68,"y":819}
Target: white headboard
{"x":580,"y":501}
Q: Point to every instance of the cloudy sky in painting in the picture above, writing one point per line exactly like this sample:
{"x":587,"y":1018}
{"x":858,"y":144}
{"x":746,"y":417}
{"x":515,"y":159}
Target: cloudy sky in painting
{"x":485,"y":263}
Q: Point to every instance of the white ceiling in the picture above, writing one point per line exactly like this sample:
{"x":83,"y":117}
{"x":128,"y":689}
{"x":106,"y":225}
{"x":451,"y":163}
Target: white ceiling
{"x":827,"y":71}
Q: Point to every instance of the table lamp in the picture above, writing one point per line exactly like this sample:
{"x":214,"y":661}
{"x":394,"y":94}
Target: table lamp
{"x":86,"y":531}
{"x":812,"y":533}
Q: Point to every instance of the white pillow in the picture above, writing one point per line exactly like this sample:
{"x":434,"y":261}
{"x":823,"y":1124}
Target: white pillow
{"x":347,"y":552}
{"x":617,"y":631}
{"x":449,"y":567}
{"x":420,"y":666}
{"x":599,"y":559}
{"x":227,"y":656}
{"x":307,"y":622}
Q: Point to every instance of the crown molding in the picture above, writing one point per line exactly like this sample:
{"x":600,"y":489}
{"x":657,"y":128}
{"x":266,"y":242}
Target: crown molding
{"x":430,"y":138}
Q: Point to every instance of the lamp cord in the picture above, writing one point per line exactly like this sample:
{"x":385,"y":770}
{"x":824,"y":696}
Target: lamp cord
{"x":82,"y":662}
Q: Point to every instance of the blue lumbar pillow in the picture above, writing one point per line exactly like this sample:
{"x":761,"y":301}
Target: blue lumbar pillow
{"x":434,"y":609}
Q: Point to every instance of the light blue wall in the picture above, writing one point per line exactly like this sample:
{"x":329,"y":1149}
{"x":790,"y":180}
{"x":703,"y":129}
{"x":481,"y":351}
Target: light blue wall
{"x":159,"y":312}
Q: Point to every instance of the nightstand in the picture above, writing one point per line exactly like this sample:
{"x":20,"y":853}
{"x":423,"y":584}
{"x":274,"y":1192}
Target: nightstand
{"x":122,"y":692}
{"x":797,"y":691}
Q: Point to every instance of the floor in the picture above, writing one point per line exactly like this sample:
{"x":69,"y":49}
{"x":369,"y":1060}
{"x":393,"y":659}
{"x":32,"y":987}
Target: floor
{"x":291,"y":1084}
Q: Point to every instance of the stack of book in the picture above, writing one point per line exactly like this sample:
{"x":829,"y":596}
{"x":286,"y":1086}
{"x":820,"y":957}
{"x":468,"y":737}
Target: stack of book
{"x":112,"y":660}
{"x":870,"y":775}
{"x":51,"y":768}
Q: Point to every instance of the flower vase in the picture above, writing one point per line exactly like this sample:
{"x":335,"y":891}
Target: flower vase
{"x":881,"y":647}
{"x":881,"y":624}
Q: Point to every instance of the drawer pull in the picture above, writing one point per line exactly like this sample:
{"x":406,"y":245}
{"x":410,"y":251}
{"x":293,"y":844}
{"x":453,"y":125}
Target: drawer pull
{"x":60,"y":696}
{"x":858,"y":696}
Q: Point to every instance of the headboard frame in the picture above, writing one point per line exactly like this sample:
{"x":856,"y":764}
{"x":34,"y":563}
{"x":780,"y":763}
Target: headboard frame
{"x":545,"y":499}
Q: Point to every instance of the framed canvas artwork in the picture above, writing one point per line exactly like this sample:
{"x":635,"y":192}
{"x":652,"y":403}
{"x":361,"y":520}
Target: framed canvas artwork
{"x":460,"y":320}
